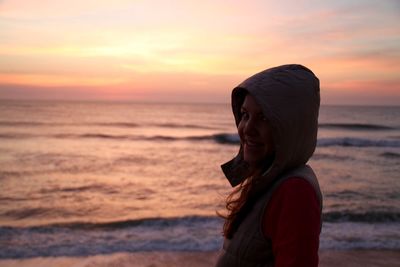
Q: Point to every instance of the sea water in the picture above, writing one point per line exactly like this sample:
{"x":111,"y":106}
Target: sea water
{"x":87,"y":178}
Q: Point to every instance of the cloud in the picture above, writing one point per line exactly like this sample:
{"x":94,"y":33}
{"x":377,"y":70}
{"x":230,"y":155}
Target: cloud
{"x":156,"y":46}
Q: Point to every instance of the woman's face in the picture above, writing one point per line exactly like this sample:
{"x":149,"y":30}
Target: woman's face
{"x":255,"y":134}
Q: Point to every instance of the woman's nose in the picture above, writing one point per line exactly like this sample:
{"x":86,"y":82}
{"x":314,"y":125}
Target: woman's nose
{"x":250,"y":128}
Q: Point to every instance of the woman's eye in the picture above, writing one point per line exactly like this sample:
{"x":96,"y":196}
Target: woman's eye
{"x":244,"y":115}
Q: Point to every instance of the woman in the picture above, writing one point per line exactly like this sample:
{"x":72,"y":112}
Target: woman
{"x":274,"y":213}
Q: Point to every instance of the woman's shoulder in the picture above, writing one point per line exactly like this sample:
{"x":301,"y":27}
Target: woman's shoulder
{"x":294,"y":184}
{"x":294,"y":191}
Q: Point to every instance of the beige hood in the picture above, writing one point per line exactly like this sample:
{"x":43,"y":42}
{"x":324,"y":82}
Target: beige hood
{"x":289,"y":97}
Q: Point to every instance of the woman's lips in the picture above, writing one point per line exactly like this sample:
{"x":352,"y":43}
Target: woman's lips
{"x":253,"y":143}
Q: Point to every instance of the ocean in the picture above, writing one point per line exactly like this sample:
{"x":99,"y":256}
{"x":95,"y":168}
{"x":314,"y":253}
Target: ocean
{"x":90,"y":178}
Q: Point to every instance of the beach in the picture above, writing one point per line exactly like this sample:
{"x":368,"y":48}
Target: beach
{"x":328,"y":258}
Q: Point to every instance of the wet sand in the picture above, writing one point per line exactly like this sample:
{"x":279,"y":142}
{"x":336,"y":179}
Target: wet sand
{"x":354,"y":258}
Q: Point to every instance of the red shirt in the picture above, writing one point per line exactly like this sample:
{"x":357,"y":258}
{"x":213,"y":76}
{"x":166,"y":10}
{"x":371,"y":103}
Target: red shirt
{"x":292,"y":222}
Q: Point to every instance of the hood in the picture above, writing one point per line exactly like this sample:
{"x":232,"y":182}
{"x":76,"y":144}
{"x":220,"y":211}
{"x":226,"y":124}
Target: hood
{"x":289,"y":98}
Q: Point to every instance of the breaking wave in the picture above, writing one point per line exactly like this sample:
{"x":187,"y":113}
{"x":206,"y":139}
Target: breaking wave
{"x":190,"y":233}
{"x":102,"y":124}
{"x":221,"y":138}
{"x":355,"y":126}
{"x":357,"y":142}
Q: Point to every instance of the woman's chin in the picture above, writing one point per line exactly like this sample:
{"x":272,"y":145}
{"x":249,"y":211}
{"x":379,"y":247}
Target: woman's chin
{"x":253,"y":160}
{"x":258,"y":164}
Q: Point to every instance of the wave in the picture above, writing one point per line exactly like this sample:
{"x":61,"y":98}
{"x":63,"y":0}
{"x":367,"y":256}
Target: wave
{"x":15,"y":136}
{"x":190,"y":233}
{"x":348,"y":194}
{"x":225,"y":138}
{"x":161,"y":222}
{"x":116,"y":124}
{"x":335,"y":216}
{"x":144,"y":222}
{"x":323,"y":156}
{"x":365,"y":217}
{"x":221,"y":138}
{"x":22,"y":123}
{"x":351,"y":236}
{"x":355,"y":126}
{"x":140,"y":137}
{"x":110,"y":136}
{"x":103,"y":124}
{"x":176,"y":125}
{"x":121,"y":124}
{"x":390,"y":155}
{"x":157,"y":125}
{"x":357,"y":142}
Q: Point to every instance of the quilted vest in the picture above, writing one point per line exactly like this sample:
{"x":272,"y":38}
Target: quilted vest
{"x":248,"y":246}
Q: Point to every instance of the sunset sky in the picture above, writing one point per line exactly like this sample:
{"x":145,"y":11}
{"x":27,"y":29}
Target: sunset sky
{"x":195,"y":51}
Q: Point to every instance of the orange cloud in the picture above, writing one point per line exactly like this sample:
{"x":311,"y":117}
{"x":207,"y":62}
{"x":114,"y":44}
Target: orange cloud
{"x":55,"y":80}
{"x":383,"y":87}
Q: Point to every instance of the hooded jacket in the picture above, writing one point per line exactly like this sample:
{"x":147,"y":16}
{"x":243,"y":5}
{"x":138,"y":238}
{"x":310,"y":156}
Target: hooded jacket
{"x":289,"y":97}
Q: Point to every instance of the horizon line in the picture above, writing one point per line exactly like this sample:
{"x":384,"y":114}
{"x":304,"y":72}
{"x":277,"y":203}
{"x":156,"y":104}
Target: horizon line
{"x":170,"y":102}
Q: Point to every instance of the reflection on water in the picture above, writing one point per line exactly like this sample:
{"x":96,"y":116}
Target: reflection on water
{"x":78,"y":163}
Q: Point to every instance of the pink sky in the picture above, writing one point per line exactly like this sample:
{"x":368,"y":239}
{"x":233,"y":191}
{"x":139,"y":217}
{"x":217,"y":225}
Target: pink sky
{"x":195,"y":51}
